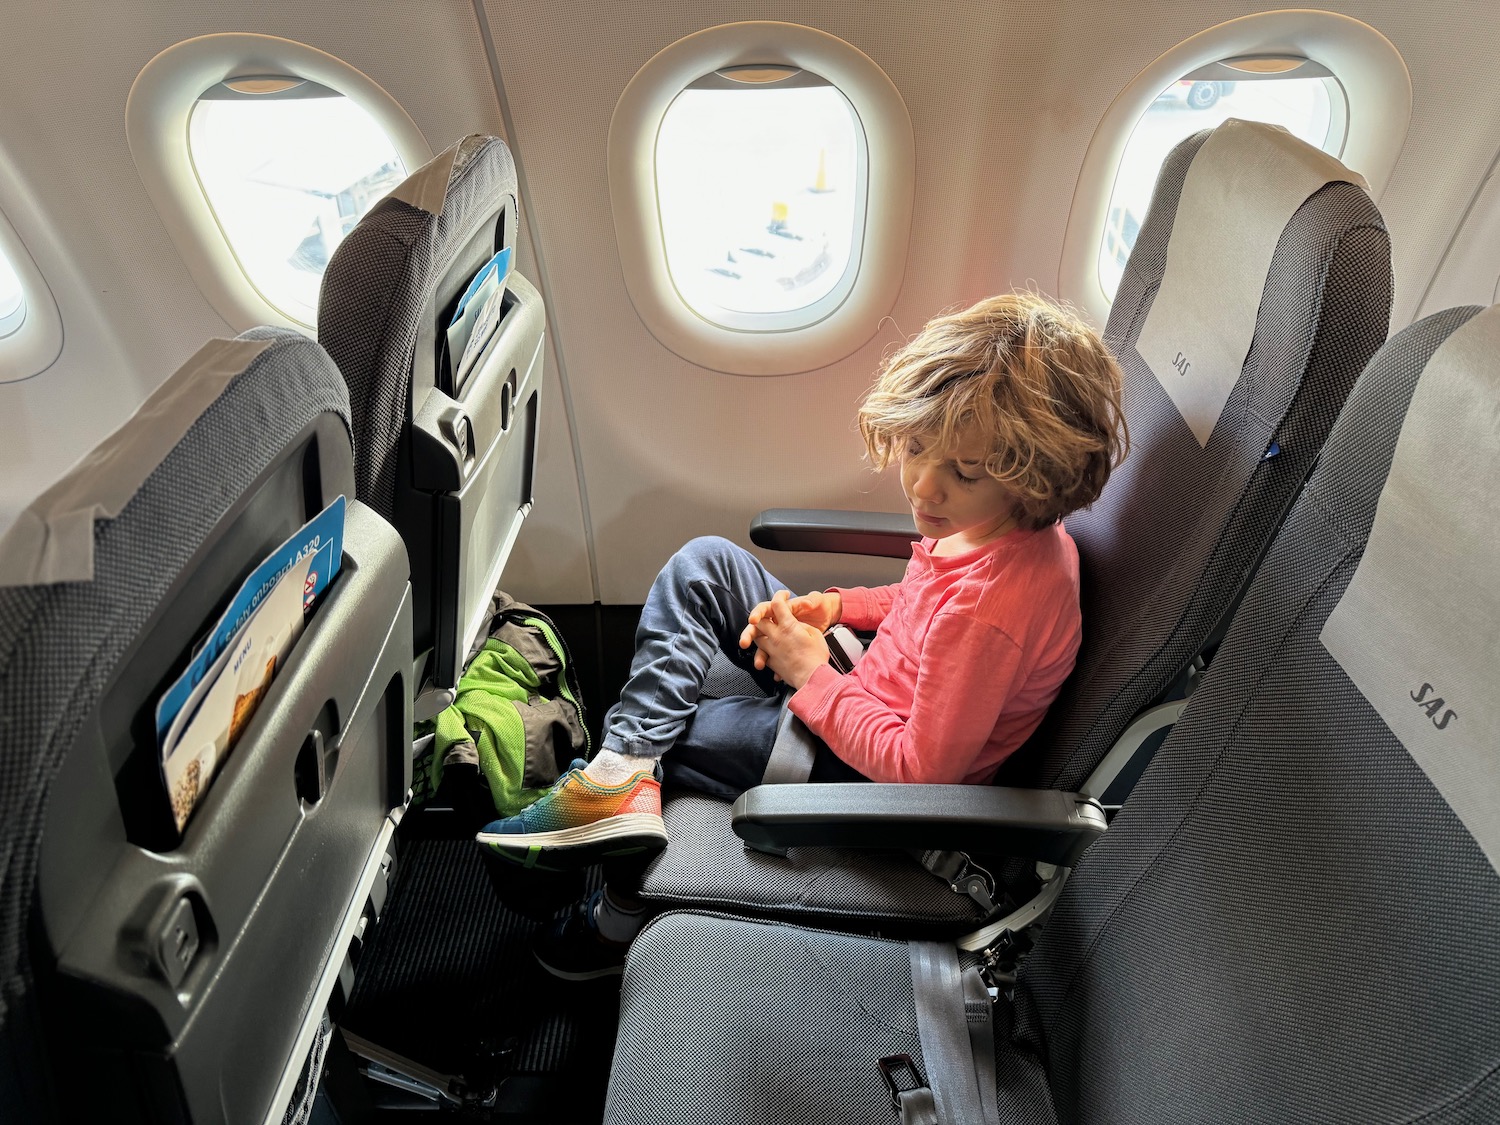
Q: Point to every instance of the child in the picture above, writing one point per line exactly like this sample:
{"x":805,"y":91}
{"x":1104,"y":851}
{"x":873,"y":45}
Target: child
{"x":1003,"y":418}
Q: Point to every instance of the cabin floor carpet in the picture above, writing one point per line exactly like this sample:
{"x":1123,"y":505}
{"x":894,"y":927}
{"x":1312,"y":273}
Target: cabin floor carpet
{"x":448,"y":981}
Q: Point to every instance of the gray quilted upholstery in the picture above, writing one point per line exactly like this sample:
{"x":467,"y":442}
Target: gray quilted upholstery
{"x":814,"y":882}
{"x":706,"y":1036}
{"x":1311,"y":924}
{"x":1180,"y":527}
{"x":1285,"y":923}
{"x":1170,"y":544}
{"x":373,"y":294}
{"x":59,"y":644}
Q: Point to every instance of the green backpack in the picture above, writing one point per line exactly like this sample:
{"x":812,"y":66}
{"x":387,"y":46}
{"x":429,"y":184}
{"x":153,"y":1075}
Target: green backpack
{"x":514,"y":726}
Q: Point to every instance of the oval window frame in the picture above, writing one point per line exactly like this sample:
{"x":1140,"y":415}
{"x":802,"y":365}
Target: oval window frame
{"x":156,"y":127}
{"x":1375,"y":81}
{"x":34,"y":344}
{"x":879,"y":261}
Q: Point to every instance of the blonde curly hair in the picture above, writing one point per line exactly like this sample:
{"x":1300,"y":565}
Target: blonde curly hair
{"x":1022,"y":369}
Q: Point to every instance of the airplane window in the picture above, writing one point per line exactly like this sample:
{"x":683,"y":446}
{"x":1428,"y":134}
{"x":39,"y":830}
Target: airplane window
{"x":762,"y":209}
{"x":288,"y":167}
{"x":1301,"y":96}
{"x":12,"y":299}
{"x":759,"y":177}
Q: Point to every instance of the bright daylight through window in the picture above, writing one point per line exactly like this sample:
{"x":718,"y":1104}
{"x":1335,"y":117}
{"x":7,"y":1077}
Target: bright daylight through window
{"x":761,"y":196}
{"x":1280,"y":91}
{"x":288,"y":167}
{"x":12,"y":300}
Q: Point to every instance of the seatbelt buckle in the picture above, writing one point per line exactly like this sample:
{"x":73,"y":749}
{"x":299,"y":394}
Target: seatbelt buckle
{"x":844,"y":649}
{"x":902,"y":1076}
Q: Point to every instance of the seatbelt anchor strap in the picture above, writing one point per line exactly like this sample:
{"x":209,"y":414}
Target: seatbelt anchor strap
{"x":963,"y":876}
{"x":955,"y":1029}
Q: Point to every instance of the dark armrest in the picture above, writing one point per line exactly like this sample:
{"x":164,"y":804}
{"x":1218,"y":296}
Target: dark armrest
{"x":829,"y":531}
{"x":1038,"y":824}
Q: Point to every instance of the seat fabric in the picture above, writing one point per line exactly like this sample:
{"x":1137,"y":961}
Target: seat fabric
{"x":1287,"y":922}
{"x":1170,"y":544}
{"x":60,"y":643}
{"x":706,"y":1036}
{"x":1287,"y":881}
{"x":826,"y":883}
{"x":375,"y":290}
{"x":1178,"y":532}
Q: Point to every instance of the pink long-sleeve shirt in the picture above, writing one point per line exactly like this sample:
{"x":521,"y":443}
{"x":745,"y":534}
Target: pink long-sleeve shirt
{"x":969,"y":653}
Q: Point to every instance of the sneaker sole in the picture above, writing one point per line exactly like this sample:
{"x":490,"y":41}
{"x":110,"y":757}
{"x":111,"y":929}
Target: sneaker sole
{"x":591,"y":974}
{"x":568,"y":849}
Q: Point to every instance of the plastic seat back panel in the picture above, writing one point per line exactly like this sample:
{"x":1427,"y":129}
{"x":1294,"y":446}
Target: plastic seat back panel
{"x":100,"y":893}
{"x":450,"y":463}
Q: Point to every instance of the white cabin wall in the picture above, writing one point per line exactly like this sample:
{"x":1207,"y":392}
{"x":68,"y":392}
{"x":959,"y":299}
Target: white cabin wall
{"x":1004,"y":99}
{"x":131,"y":313}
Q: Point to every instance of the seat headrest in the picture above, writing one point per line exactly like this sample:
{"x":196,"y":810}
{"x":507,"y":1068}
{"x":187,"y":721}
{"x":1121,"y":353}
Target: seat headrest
{"x":1244,"y":186}
{"x":378,"y":307}
{"x":427,"y":188}
{"x":1418,"y":628}
{"x":53,"y":539}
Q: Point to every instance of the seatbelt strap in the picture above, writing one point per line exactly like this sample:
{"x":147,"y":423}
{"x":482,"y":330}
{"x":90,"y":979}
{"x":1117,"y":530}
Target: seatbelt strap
{"x":955,"y":1026}
{"x":796,"y":747}
{"x":916,"y":1107}
{"x":792,"y":754}
{"x":979,"y":1009}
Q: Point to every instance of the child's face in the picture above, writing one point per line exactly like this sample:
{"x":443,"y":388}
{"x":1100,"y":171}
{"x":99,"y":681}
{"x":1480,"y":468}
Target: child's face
{"x":950,"y":493}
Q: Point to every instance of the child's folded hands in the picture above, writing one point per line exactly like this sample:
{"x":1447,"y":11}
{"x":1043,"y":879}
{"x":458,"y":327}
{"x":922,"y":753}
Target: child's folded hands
{"x":788,"y":643}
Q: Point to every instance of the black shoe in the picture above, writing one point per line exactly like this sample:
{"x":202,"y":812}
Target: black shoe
{"x":574,"y":949}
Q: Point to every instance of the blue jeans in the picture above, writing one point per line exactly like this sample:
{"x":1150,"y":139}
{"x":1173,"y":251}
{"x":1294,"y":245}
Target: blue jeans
{"x":697,"y":608}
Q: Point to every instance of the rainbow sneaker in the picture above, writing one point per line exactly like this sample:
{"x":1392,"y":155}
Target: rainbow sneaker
{"x":579,"y":822}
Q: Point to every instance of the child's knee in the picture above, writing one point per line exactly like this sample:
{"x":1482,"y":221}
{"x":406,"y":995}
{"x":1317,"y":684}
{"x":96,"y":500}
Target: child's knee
{"x":707,"y":553}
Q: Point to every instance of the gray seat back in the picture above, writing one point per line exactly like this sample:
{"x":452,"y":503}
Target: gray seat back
{"x":1293,"y":919}
{"x":1170,"y":544}
{"x":184,"y":977}
{"x":449,"y":463}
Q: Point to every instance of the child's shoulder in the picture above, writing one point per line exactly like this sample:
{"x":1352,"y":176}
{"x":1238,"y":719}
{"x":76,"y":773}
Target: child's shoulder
{"x":1057,"y":555}
{"x":1039,"y":576}
{"x":1045,"y":549}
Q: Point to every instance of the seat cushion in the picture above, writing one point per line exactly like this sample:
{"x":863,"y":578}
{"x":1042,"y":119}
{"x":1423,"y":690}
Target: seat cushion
{"x":725,"y":1021}
{"x":707,"y":863}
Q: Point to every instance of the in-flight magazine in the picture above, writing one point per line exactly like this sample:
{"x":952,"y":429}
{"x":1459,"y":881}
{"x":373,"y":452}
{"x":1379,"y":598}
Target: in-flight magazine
{"x":203,"y":712}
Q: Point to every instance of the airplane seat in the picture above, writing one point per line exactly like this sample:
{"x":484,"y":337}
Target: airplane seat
{"x":149,"y":973}
{"x":445,"y":449}
{"x":1253,"y":234}
{"x":1293,"y":917}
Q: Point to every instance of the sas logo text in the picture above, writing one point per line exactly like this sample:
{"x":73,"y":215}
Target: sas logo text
{"x":1436,"y":707}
